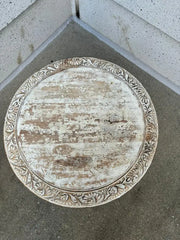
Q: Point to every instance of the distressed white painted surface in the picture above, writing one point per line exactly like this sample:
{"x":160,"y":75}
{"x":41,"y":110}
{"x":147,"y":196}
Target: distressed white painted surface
{"x":27,"y":32}
{"x":132,"y":33}
{"x":9,"y":10}
{"x":164,"y":15}
{"x":80,"y":129}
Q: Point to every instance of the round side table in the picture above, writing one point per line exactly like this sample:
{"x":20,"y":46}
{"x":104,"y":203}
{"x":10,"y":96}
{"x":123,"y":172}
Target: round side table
{"x":80,"y":132}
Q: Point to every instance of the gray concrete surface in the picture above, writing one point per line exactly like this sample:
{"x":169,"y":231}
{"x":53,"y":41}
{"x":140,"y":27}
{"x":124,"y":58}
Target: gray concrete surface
{"x":148,"y":212}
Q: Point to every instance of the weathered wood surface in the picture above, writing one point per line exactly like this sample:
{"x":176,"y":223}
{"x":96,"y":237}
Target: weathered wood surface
{"x":80,"y":132}
{"x":80,"y":129}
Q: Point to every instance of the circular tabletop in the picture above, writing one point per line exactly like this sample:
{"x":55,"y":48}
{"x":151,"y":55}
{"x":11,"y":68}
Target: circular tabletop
{"x":80,"y":132}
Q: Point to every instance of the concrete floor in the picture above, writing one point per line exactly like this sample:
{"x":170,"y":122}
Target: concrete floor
{"x":148,"y":211}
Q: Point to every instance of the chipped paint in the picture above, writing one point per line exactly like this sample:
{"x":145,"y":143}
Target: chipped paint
{"x":44,"y":157}
{"x":80,"y":129}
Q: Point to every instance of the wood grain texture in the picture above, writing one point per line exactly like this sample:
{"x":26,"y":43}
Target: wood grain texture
{"x":80,"y":132}
{"x":80,"y":129}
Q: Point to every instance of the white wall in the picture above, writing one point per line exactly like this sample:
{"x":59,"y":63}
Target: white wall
{"x":149,"y":30}
{"x":10,"y":9}
{"x":130,"y":31}
{"x":163,"y":14}
{"x":29,"y":30}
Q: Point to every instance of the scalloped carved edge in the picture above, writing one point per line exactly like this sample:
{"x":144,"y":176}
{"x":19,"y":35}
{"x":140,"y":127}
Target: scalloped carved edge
{"x":94,"y":197}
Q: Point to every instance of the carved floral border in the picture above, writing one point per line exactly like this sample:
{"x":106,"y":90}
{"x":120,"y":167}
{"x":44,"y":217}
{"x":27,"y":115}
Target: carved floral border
{"x":76,"y":198}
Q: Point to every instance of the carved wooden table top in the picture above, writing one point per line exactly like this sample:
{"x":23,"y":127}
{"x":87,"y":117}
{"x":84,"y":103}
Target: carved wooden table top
{"x":80,"y":132}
